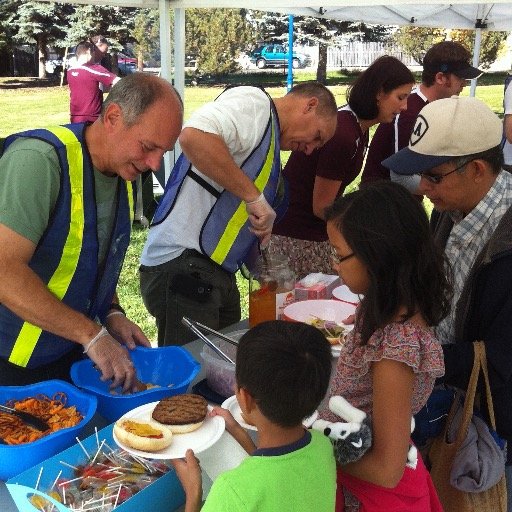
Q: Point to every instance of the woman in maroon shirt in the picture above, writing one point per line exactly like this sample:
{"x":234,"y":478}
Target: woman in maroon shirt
{"x":315,"y":180}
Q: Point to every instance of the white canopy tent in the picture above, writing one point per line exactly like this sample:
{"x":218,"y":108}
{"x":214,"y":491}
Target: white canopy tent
{"x":462,"y":14}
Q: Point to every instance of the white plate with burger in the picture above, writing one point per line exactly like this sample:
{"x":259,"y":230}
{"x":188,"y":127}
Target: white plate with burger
{"x":156,"y":443}
{"x":232,"y":405}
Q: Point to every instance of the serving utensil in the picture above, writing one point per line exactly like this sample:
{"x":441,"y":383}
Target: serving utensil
{"x":196,"y":327}
{"x":209,"y":330}
{"x":27,"y":418}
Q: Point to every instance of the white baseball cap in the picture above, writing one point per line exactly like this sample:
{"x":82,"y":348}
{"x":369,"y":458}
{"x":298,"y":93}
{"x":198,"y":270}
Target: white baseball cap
{"x":446,"y":129}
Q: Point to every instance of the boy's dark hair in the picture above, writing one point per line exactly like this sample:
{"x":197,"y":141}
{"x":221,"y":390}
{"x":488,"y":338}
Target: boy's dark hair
{"x":383,"y":75}
{"x":387,"y":229}
{"x":285,"y":366}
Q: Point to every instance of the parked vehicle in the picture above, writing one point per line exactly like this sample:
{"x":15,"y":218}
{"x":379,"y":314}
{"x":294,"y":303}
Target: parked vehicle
{"x":276,"y":55}
{"x":125,"y":64}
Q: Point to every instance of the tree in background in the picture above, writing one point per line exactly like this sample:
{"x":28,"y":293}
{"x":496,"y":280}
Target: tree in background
{"x":314,"y":31}
{"x":36,"y":22}
{"x":216,"y":37}
{"x":326,"y":32}
{"x":492,"y":43}
{"x":115,"y":23}
{"x":146,"y":32}
{"x":417,"y":40}
{"x":6,"y":37}
{"x":322,"y":32}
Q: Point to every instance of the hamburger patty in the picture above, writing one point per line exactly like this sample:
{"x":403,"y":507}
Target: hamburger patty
{"x":181,"y":410}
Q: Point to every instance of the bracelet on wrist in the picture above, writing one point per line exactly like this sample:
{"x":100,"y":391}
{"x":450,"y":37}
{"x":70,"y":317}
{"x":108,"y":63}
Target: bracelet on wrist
{"x":114,"y":313}
{"x":103,"y":332}
{"x":117,"y":307}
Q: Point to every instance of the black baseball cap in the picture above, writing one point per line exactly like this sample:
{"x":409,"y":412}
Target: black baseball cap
{"x":460,"y":68}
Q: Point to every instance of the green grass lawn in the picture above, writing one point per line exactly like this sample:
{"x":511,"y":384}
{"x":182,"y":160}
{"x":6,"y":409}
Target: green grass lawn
{"x":30,"y":103}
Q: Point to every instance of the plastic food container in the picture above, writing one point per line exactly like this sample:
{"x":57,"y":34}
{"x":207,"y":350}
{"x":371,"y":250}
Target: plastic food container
{"x":172,"y":368}
{"x":16,"y":458}
{"x":220,"y":374}
{"x":163,"y":495}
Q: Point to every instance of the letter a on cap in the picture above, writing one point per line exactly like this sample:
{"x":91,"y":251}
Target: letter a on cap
{"x":420,"y":128}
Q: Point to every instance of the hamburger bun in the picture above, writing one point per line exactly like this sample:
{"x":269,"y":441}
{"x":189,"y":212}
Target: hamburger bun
{"x":181,"y":413}
{"x":145,"y":436}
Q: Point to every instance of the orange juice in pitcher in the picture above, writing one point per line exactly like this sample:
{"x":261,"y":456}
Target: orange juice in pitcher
{"x":271,"y":288}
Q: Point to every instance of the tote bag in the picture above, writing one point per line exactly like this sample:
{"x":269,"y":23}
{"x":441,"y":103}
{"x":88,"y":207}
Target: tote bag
{"x":442,"y":452}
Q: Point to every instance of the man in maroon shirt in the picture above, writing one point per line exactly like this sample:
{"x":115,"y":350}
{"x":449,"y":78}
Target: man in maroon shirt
{"x":446,"y":67}
{"x":87,"y":83}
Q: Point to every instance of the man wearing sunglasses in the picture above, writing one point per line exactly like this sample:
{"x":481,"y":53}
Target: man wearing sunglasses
{"x":455,"y":149}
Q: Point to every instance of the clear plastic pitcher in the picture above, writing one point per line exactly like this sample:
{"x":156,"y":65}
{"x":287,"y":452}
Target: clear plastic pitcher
{"x":271,"y":288}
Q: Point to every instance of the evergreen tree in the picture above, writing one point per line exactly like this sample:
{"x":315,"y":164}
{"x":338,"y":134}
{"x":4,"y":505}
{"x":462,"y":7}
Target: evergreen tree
{"x":146,"y":34}
{"x":41,"y":23}
{"x":314,"y":31}
{"x":115,"y":23}
{"x":216,"y":37}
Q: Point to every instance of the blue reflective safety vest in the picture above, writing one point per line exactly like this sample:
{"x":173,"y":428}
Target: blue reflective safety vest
{"x":66,"y":257}
{"x":225,"y":236}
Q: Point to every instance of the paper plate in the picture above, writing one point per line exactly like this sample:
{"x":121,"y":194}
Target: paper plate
{"x":344,"y":294}
{"x":307,"y":310}
{"x":333,"y":310}
{"x":198,"y":440}
{"x":231,"y":404}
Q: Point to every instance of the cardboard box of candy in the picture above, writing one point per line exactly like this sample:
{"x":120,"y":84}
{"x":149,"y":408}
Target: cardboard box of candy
{"x":316,"y":286}
{"x":121,"y":484}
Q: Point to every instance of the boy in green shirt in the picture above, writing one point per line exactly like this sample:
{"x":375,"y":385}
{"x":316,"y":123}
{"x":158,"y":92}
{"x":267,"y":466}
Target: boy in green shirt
{"x":282,"y":374}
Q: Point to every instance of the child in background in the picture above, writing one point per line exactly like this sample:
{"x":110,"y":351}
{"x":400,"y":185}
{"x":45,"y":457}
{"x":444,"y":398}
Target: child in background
{"x":282,"y":374}
{"x":383,"y":249}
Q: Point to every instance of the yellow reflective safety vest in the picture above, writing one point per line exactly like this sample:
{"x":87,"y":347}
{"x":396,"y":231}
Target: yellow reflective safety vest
{"x":225,"y":236}
{"x":66,"y":257}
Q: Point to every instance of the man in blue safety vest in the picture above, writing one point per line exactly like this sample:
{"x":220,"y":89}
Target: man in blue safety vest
{"x":66,"y":208}
{"x":221,"y":198}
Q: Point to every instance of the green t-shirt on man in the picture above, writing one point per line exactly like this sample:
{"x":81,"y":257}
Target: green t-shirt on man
{"x":29,"y":187}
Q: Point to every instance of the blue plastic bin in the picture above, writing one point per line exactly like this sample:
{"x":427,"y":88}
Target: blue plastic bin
{"x":163,"y":366}
{"x":163,"y":495}
{"x":16,"y":458}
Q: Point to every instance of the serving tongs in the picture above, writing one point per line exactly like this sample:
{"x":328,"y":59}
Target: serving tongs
{"x":197,"y":328}
{"x":27,"y":418}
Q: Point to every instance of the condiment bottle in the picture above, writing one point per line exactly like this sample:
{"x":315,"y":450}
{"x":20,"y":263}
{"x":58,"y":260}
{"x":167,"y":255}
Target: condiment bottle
{"x":271,"y":289}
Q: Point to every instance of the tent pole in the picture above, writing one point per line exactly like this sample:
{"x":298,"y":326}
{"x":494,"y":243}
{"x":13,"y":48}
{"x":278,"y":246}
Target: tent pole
{"x":476,"y":58}
{"x":165,"y":67}
{"x":289,"y":82}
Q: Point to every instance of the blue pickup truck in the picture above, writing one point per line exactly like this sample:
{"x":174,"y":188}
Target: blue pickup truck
{"x":276,"y":55}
